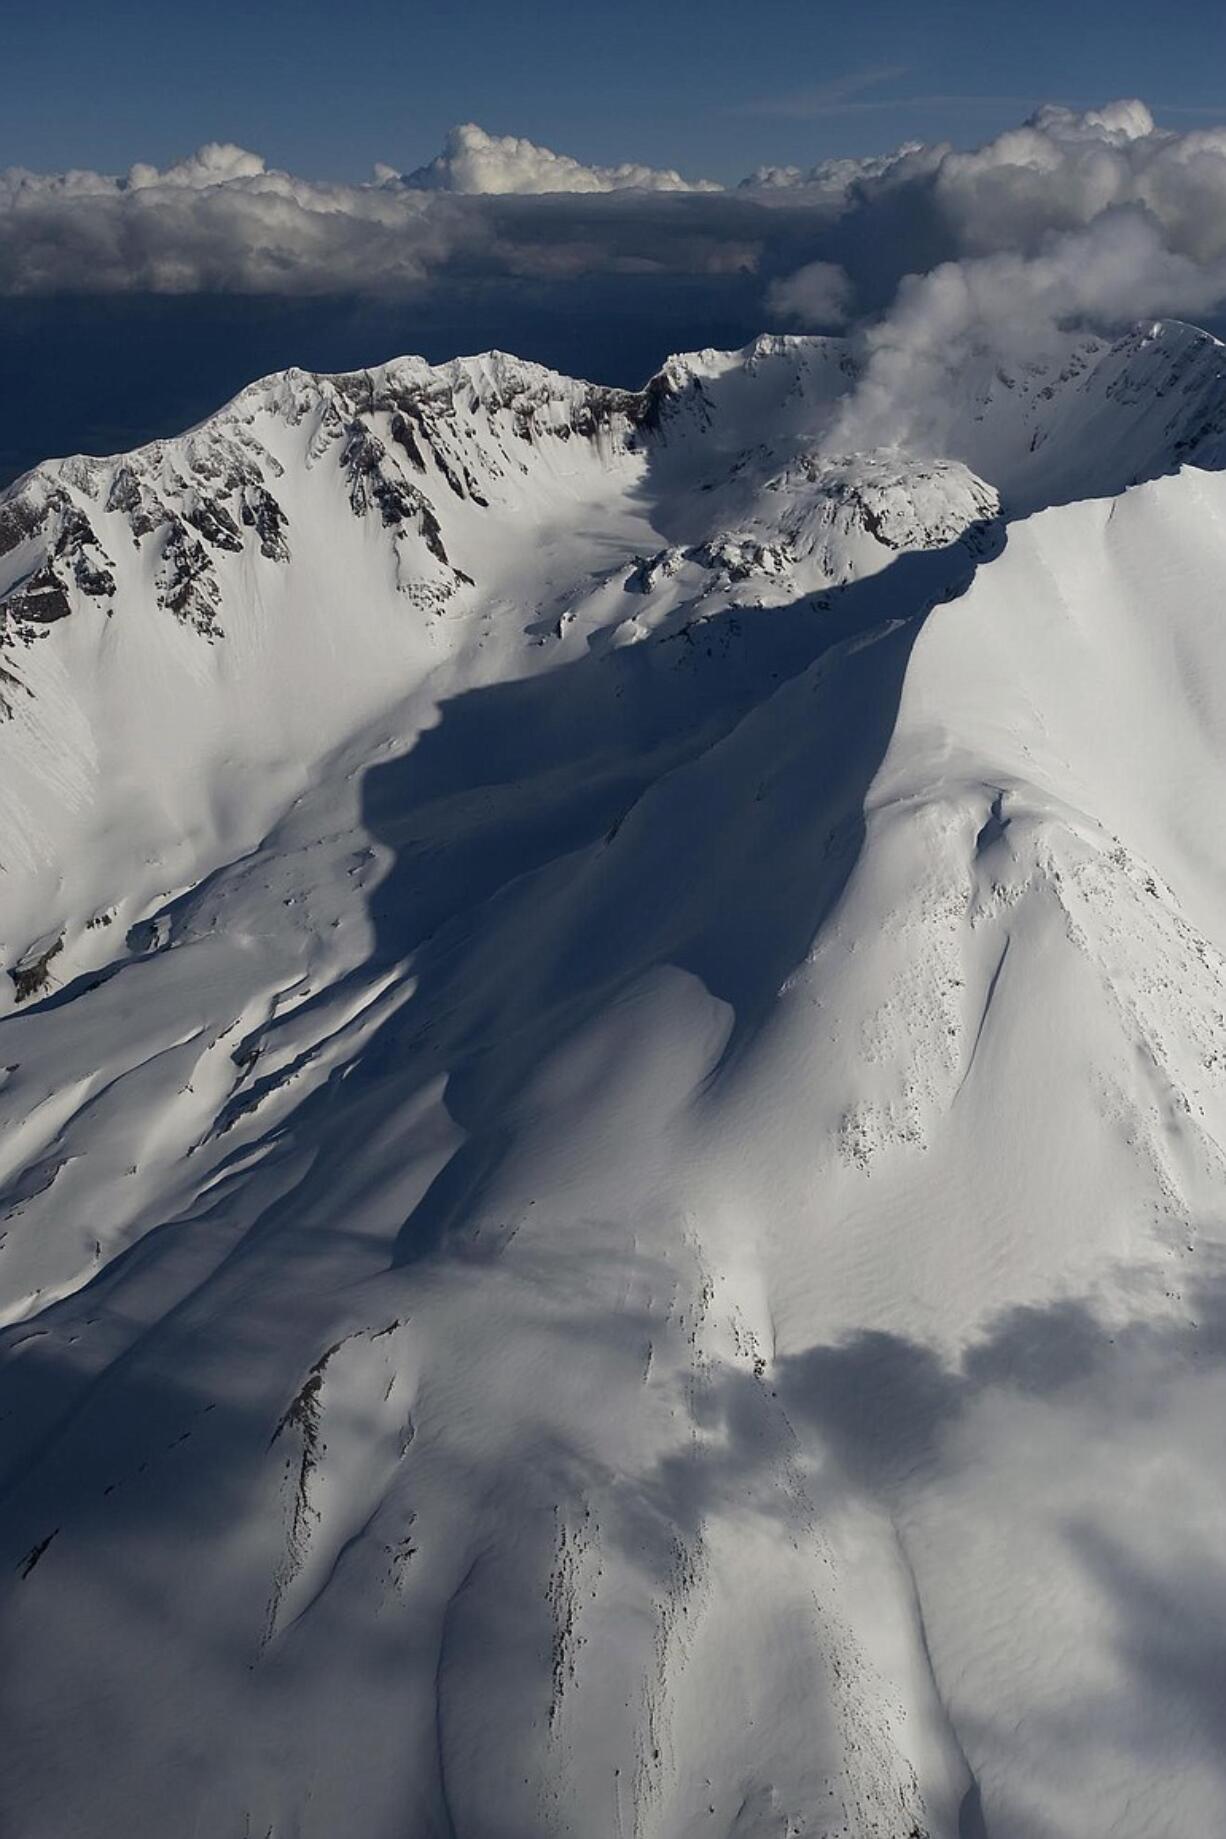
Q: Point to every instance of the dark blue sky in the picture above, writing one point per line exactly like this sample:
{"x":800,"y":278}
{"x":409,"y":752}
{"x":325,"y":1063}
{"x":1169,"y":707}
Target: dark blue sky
{"x":326,"y":89}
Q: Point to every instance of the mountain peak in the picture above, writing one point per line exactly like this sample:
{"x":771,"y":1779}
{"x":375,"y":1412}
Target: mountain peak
{"x":611,"y":1097}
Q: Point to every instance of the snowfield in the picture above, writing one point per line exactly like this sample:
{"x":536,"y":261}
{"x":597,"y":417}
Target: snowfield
{"x":613,"y":1077}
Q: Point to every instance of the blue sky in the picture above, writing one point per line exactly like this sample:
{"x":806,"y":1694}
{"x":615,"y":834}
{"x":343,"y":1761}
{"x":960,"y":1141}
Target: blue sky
{"x":326,"y":89}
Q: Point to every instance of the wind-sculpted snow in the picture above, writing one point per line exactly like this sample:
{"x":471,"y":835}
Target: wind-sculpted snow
{"x":614,"y":1064}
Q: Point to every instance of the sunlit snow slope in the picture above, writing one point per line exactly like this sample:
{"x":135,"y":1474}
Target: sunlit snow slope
{"x":613,"y":1075}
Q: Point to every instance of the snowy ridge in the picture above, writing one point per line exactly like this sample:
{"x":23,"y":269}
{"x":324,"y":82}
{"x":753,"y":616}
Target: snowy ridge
{"x":613,"y":1089}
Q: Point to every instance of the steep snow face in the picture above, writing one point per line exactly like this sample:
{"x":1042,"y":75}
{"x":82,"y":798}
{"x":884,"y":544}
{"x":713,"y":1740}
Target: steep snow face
{"x":613,"y":1079}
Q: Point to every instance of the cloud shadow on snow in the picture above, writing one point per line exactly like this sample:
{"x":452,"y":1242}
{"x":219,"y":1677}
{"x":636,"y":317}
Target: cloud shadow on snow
{"x":886,"y":1417}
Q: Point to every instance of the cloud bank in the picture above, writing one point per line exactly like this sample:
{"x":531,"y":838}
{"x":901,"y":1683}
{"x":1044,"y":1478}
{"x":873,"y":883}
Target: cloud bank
{"x":489,"y":205}
{"x":1096,"y":218}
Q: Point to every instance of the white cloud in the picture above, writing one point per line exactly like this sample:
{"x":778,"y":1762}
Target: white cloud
{"x":1118,"y":122}
{"x":1094,"y":219}
{"x":817,"y":297}
{"x":1152,"y":204}
{"x":213,"y":164}
{"x":829,"y":179}
{"x":1063,"y":170}
{"x":473,"y":161}
{"x":1008,"y":308}
{"x":220,"y":220}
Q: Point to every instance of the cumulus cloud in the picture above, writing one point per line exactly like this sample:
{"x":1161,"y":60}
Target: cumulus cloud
{"x":992,"y":255}
{"x":213,"y":164}
{"x":829,"y":179}
{"x":222,"y":221}
{"x":923,"y":206}
{"x":218,"y":221}
{"x":473,"y":161}
{"x":1061,"y":171}
{"x":1100,"y":216}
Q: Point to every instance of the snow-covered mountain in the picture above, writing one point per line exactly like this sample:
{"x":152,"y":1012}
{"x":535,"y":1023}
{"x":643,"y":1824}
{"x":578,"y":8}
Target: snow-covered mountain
{"x":613,"y":1078}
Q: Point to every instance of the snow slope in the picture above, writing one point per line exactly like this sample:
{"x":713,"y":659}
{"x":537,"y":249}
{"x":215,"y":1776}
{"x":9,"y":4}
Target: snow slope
{"x":613,"y":1089}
